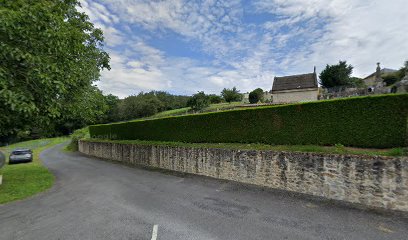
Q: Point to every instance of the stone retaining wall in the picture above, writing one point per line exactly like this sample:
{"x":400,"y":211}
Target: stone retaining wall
{"x":376,"y":182}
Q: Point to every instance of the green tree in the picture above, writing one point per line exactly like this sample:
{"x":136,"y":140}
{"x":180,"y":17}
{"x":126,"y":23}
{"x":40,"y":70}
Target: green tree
{"x":390,"y":79}
{"x":198,"y":101}
{"x":214,"y":99}
{"x":357,"y":82}
{"x":81,"y":108}
{"x":336,"y":75}
{"x":141,"y":105}
{"x":49,"y":51}
{"x":256,"y":96}
{"x":112,"y":113}
{"x":402,"y":71}
{"x":170,"y":101}
{"x":231,"y":95}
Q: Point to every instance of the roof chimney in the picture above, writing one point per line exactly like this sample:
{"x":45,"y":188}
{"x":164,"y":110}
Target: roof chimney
{"x":378,"y":71}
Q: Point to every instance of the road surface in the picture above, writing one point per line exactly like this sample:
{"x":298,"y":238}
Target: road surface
{"x":94,"y":199}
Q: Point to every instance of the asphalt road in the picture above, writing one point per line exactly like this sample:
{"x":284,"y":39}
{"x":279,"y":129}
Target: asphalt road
{"x":94,"y":199}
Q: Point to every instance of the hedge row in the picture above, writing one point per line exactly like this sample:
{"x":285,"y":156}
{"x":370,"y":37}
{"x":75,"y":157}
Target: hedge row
{"x":371,"y":122}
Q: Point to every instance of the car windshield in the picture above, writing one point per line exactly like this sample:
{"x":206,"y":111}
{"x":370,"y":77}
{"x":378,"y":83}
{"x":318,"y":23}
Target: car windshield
{"x":21,"y":152}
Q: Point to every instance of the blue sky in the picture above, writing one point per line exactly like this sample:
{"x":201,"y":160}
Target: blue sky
{"x":185,"y":46}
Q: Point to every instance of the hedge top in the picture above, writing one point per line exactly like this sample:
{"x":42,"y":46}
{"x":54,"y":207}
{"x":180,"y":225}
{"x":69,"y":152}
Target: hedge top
{"x":372,"y":121}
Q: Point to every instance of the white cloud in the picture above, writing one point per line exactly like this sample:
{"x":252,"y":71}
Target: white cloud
{"x":98,"y":12}
{"x":359,"y":31}
{"x":206,"y":22}
{"x":299,"y":35}
{"x":141,"y":67}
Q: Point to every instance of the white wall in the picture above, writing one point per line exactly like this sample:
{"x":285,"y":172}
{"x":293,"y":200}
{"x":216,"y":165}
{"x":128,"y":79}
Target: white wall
{"x":304,"y":95}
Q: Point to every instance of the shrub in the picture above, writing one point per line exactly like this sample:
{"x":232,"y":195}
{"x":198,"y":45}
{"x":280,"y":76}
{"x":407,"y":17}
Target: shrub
{"x":371,"y":121}
{"x":390,"y":79}
{"x":256,"y":96}
{"x":198,"y":101}
{"x":214,"y":99}
{"x":76,"y":136}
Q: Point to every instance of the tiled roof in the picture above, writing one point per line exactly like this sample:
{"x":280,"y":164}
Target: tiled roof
{"x":301,"y":81}
{"x":383,"y":71}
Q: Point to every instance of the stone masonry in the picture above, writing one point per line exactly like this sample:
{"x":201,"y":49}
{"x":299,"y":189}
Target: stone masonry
{"x":373,"y":181}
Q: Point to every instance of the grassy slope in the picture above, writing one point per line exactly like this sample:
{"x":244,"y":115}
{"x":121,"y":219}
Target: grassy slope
{"x":221,"y":106}
{"x":23,"y":180}
{"x":186,"y":110}
{"x":174,"y":112}
{"x":289,"y":148}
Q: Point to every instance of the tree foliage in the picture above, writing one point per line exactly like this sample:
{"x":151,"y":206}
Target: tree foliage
{"x":170,"y":101}
{"x":214,"y":99}
{"x":85,"y":106}
{"x":336,"y":75}
{"x":50,"y":53}
{"x":231,"y":95}
{"x":390,"y":79}
{"x":138,"y":106}
{"x":112,"y":112}
{"x":256,"y":96}
{"x":402,"y":71}
{"x":357,"y":82}
{"x":198,"y":101}
{"x":146,"y":104}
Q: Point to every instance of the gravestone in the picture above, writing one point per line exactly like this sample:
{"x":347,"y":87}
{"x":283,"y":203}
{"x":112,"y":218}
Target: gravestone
{"x":2,"y":162}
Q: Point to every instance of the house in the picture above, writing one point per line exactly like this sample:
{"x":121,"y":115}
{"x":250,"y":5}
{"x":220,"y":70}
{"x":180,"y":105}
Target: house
{"x":296,"y":88}
{"x":374,"y":80}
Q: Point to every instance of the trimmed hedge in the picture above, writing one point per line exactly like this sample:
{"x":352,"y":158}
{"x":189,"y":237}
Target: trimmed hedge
{"x":371,"y":122}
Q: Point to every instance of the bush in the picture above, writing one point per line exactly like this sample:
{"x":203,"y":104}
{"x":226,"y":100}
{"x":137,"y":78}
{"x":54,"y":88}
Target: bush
{"x":372,"y":121}
{"x":214,"y":99}
{"x":390,"y":79}
{"x":76,"y":136}
{"x":256,"y":96}
{"x":198,"y":101}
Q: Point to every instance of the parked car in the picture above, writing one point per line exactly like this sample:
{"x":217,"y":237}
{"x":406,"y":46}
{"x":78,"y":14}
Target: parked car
{"x":21,"y":155}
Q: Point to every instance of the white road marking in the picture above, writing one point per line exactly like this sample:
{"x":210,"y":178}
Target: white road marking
{"x":154,"y":233}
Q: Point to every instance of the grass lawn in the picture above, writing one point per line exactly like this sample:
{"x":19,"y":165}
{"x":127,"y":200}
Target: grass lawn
{"x":174,"y":112}
{"x":221,"y":106}
{"x":187,"y":110}
{"x":23,"y":180}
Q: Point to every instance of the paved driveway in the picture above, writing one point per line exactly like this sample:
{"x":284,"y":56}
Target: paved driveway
{"x":94,"y":199}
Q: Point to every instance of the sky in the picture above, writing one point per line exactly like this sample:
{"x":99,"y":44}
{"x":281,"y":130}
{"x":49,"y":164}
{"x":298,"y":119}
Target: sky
{"x":186,"y":46}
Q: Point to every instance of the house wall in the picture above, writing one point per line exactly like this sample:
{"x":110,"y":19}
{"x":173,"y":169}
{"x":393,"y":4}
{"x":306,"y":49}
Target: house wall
{"x":245,"y":98}
{"x":305,"y":95}
{"x":376,"y":182}
{"x":267,"y":97}
{"x":371,"y":81}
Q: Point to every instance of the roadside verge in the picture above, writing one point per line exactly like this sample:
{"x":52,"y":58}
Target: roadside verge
{"x":21,"y":181}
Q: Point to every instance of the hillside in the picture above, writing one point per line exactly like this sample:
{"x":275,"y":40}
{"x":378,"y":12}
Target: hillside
{"x":187,"y":110}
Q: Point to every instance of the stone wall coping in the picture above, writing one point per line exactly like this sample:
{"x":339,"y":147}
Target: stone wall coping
{"x":360,"y":156}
